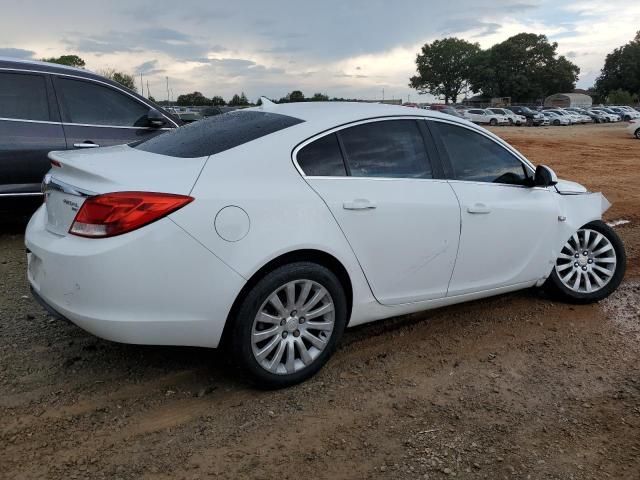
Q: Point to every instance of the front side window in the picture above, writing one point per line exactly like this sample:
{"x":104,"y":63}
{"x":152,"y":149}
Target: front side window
{"x":23,"y":97}
{"x":477,"y":158}
{"x":391,"y":148}
{"x":322,"y":158}
{"x":94,"y":104}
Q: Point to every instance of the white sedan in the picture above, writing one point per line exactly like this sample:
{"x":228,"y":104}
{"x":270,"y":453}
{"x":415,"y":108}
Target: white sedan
{"x":555,"y":118}
{"x":634,"y":128}
{"x":271,"y":229}
{"x":486,"y":117}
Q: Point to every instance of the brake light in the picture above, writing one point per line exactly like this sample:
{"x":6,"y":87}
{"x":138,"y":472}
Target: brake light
{"x":116,"y":213}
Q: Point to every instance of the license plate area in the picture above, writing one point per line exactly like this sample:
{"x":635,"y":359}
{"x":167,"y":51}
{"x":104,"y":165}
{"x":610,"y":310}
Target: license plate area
{"x":62,"y":208}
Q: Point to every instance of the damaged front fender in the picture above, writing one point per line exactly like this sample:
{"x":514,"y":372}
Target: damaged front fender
{"x":574,"y":211}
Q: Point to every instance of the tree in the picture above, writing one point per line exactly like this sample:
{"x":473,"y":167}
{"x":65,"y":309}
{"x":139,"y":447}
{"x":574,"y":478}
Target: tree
{"x":319,"y":97}
{"x":193,"y":99}
{"x":122,"y":78}
{"x":296,"y":96}
{"x":218,"y":101}
{"x":621,"y":69}
{"x":239,"y":100}
{"x":69,"y":60}
{"x":621,"y":97}
{"x":524,"y":67}
{"x":444,"y":67}
{"x":152,"y":99}
{"x":235,"y":101}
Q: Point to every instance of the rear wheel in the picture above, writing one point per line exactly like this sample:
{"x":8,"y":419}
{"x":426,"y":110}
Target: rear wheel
{"x":493,"y":122}
{"x":289,"y":324}
{"x":637,"y":133}
{"x":591,"y":265}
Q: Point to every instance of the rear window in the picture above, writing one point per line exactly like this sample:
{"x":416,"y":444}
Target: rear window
{"x":216,"y":134}
{"x":23,"y":96}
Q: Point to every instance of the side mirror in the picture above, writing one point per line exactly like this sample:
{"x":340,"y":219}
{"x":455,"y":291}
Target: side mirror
{"x":545,"y":177}
{"x":155,"y":118}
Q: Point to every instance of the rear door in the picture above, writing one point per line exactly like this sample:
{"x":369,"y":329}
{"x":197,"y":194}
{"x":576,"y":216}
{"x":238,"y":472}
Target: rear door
{"x":384,"y":188}
{"x":508,"y":226}
{"x":97,"y":114}
{"x":29,"y":128}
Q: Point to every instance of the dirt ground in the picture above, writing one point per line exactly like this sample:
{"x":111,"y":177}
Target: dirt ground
{"x":515,"y":386}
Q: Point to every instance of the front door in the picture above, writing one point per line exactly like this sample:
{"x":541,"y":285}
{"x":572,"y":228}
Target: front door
{"x":402,"y":223}
{"x":508,"y":226}
{"x":99,"y":115}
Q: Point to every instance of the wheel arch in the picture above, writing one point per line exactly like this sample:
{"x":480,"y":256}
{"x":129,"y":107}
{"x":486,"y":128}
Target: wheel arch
{"x":302,"y":255}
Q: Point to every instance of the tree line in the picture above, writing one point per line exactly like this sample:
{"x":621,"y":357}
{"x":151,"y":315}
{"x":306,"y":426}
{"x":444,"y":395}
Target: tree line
{"x":524,"y":67}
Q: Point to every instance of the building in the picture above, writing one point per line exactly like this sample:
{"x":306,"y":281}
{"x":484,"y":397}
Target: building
{"x":564,"y":100}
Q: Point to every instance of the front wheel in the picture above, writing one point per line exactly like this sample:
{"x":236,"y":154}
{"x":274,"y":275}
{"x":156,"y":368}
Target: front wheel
{"x":637,"y":133}
{"x":289,"y":324}
{"x":591,"y":265}
{"x":493,"y":122}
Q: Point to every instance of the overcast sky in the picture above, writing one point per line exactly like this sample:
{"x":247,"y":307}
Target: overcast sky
{"x":342,"y":48}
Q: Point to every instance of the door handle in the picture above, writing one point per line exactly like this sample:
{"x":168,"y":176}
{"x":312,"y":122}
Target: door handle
{"x":86,"y":144}
{"x":479,"y":208}
{"x":359,"y":204}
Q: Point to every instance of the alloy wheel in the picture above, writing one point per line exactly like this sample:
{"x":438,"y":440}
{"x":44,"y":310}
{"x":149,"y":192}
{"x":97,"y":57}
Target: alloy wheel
{"x":292,"y":327}
{"x":587,"y":262}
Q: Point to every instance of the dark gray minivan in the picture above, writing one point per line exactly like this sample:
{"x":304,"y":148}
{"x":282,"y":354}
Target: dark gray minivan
{"x":45,"y":107}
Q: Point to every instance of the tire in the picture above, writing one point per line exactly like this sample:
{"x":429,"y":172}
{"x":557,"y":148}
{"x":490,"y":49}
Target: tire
{"x":493,"y":122}
{"x":637,"y":133}
{"x":556,"y":122}
{"x":511,"y":122}
{"x":585,"y":266}
{"x":291,"y":329}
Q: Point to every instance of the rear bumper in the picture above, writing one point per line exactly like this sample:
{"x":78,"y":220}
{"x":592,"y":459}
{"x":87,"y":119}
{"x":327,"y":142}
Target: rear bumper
{"x":155,"y":285}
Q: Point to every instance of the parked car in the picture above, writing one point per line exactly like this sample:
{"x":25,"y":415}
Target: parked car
{"x":573,"y":119}
{"x":514,"y":119}
{"x":596,"y":117}
{"x":533,"y":118}
{"x":248,"y":229}
{"x":46,"y":107}
{"x":555,"y":118}
{"x":611,"y":115}
{"x":624,"y":114}
{"x":450,"y":111}
{"x":634,"y":128}
{"x":486,"y":117}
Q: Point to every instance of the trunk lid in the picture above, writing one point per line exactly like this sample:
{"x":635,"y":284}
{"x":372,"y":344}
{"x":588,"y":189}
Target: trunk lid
{"x":77,"y":175}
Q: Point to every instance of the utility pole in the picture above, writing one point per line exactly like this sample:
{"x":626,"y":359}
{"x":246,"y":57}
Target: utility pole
{"x":148,"y":92}
{"x":168,"y":101}
{"x":141,"y":85}
{"x":383,"y":94}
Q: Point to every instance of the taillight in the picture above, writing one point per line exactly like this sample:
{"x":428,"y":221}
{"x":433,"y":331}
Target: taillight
{"x":116,"y":213}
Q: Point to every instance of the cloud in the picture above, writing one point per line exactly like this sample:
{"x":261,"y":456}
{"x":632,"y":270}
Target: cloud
{"x":148,"y":68}
{"x":155,"y":39}
{"x":17,"y":53}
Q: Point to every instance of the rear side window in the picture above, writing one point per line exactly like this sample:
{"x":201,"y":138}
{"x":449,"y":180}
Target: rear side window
{"x":216,"y":134}
{"x":94,"y":104}
{"x":322,"y":158}
{"x":391,"y":148}
{"x":23,"y":97}
{"x":477,"y":158}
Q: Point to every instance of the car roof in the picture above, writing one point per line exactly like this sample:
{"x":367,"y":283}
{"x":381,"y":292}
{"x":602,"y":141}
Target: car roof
{"x":326,"y":115}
